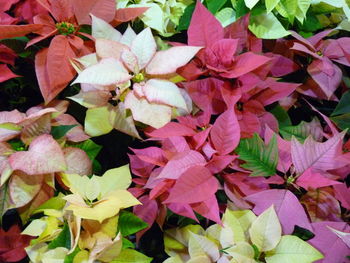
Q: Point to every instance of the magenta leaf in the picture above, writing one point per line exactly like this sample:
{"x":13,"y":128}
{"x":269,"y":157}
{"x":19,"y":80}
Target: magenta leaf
{"x":331,"y":246}
{"x":290,"y":212}
{"x":342,"y":193}
{"x":171,"y":129}
{"x":245,"y":63}
{"x":180,"y":163}
{"x":316,"y":154}
{"x":209,"y":209}
{"x":189,"y":188}
{"x":204,"y":28}
{"x":225,"y":133}
{"x":311,"y":179}
{"x":153,"y":155}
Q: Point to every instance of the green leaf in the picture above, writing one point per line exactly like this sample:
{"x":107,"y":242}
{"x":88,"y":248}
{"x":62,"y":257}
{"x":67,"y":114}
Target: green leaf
{"x":241,"y":8}
{"x":96,"y":167}
{"x":5,"y":201}
{"x":70,"y":257}
{"x":92,"y":188}
{"x":292,"y":249}
{"x":63,"y":239}
{"x":267,"y":26}
{"x":342,"y":121}
{"x":54,"y":203}
{"x":344,"y":4}
{"x":289,"y":8}
{"x":302,"y":233}
{"x":131,"y":256}
{"x":303,"y":130}
{"x":97,"y":121}
{"x":266,"y":230}
{"x":186,"y":18}
{"x":271,"y":4}
{"x":343,"y":106}
{"x":127,"y":243}
{"x":215,"y":5}
{"x":324,"y":8}
{"x":226,"y":16}
{"x":260,"y":158}
{"x":281,"y":116}
{"x":92,"y":149}
{"x":250,"y":3}
{"x":237,"y":232}
{"x":130,"y":224}
{"x":17,"y":145}
{"x":303,"y":7}
{"x":311,"y":23}
{"x":58,"y":132}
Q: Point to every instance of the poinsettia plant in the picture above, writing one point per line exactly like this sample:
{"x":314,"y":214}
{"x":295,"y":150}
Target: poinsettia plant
{"x":174,"y":131}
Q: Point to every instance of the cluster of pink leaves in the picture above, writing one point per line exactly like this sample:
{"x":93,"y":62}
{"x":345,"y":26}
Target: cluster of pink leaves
{"x":196,"y":158}
{"x":33,"y":170}
{"x":52,"y":64}
{"x":29,"y":174}
{"x":24,"y":11}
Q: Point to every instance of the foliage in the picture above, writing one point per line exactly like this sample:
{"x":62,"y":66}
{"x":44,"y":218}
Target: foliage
{"x":243,"y":237}
{"x":227,"y":118}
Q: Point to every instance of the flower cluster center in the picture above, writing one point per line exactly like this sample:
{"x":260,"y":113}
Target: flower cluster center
{"x":65,"y":28}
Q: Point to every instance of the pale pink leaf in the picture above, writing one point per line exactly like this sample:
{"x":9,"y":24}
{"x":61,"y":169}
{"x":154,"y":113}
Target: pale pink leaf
{"x":77,"y":133}
{"x":13,"y":116}
{"x":124,"y":123}
{"x":168,"y":61}
{"x":153,"y":114}
{"x":77,"y":161}
{"x":163,"y":92}
{"x":44,"y":156}
{"x":130,"y":61}
{"x":128,"y":36}
{"x":23,"y":188}
{"x":108,"y":71}
{"x":106,"y":48}
{"x":92,"y":99}
{"x":144,"y":47}
{"x":101,"y":29}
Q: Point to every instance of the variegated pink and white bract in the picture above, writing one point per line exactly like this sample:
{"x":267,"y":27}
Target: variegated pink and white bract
{"x":132,"y":64}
